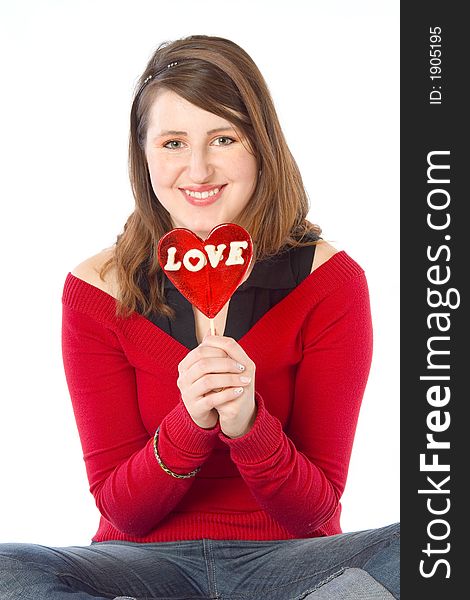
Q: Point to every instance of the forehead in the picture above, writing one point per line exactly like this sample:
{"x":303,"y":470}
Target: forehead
{"x":168,"y":110}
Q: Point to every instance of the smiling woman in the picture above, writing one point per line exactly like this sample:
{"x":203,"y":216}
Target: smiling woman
{"x":223,"y":454}
{"x":192,"y":91}
{"x":200,"y":169}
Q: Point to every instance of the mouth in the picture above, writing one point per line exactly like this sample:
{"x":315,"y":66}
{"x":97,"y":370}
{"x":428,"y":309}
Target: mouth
{"x":203,"y":198}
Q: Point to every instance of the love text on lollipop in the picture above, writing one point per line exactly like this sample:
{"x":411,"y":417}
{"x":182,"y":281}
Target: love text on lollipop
{"x":214,"y":254}
{"x":206,"y":272}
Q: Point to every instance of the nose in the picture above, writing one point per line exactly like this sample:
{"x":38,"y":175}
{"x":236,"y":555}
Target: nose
{"x":200,"y":165}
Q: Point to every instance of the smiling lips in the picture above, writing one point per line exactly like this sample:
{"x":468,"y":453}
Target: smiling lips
{"x":204,"y":197}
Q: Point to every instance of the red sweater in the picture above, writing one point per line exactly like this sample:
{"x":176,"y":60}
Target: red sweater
{"x":281,"y":480}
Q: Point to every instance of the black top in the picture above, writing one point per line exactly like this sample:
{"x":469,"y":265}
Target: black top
{"x":269,"y":282}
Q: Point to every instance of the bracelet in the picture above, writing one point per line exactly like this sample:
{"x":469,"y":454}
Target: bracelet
{"x":164,"y":467}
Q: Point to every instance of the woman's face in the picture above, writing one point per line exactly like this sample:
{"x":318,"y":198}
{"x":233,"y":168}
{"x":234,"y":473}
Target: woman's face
{"x":188,"y":148}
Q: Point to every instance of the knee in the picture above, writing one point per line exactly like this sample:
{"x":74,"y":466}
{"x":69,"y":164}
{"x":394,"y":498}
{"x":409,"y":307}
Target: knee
{"x":395,"y":529}
{"x":16,"y":573}
{"x":390,"y":533}
{"x":392,"y":530}
{"x":350,"y":583}
{"x":17,"y":559}
{"x":395,"y":538}
{"x":17,"y":553}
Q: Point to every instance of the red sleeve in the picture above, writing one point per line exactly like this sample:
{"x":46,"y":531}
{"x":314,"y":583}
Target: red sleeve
{"x":298,"y":476}
{"x":130,"y":488}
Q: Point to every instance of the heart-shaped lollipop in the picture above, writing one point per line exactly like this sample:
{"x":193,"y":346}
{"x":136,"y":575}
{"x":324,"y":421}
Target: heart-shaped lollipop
{"x":207,"y":272}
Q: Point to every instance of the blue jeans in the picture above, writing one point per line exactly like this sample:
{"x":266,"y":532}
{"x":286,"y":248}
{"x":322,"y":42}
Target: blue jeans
{"x":206,"y":569}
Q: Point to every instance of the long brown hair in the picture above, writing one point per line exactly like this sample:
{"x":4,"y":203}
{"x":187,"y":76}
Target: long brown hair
{"x":218,"y":76}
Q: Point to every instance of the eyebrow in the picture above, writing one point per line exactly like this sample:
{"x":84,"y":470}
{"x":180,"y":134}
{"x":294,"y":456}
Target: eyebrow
{"x":210,"y":132}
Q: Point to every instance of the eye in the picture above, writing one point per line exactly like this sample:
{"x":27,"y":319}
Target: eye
{"x":166,"y":145}
{"x":224,"y":137}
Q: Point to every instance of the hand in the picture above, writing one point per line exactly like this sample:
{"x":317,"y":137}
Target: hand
{"x":203,"y":370}
{"x":237,"y":411}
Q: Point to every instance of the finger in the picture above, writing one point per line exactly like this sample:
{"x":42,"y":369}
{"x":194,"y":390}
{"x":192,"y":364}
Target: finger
{"x":230,"y":346}
{"x":208,"y":364}
{"x":217,"y":399}
{"x":199,"y":353}
{"x":213,"y":364}
{"x":211,"y":382}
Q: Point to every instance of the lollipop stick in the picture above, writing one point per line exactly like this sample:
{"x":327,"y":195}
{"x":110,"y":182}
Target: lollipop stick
{"x":214,"y":333}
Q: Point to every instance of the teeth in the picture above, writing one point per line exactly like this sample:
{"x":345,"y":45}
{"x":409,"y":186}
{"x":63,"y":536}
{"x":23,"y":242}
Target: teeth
{"x":203,"y":194}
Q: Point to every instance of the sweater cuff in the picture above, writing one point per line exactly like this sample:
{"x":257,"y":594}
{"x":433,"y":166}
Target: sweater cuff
{"x":261,"y":442}
{"x":182,"y":432}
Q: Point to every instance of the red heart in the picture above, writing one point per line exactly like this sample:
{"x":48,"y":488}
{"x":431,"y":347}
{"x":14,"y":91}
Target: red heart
{"x":210,"y":286}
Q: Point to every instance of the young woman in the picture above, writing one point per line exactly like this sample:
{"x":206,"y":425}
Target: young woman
{"x":217,"y":462}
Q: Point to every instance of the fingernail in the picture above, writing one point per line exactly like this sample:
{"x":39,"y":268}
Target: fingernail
{"x":237,"y":391}
{"x":240,"y":367}
{"x":245,"y":379}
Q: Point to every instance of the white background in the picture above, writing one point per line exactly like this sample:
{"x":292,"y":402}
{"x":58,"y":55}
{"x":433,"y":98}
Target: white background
{"x":68,"y":70}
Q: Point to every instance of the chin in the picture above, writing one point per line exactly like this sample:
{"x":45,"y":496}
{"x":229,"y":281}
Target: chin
{"x":203,"y":229}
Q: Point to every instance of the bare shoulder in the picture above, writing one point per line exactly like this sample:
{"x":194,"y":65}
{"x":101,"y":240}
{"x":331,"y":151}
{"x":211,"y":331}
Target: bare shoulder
{"x":323,"y":252}
{"x":89,"y":271}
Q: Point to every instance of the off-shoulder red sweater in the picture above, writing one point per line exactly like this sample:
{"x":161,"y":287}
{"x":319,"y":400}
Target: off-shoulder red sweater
{"x":284,"y":478}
